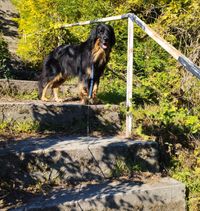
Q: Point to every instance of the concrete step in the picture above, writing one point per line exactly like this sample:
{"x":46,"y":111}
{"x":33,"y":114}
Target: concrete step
{"x":9,"y":86}
{"x":68,"y":117}
{"x":14,"y":88}
{"x":63,"y":159}
{"x":165,"y":194}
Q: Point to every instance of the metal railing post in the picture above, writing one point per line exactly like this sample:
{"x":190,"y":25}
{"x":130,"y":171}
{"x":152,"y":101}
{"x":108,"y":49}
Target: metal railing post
{"x":129,"y":81}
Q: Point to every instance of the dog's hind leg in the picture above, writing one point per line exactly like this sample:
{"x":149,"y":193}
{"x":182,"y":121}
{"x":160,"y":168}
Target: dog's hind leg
{"x":44,"y":91}
{"x":50,"y":84}
{"x":57,"y":81}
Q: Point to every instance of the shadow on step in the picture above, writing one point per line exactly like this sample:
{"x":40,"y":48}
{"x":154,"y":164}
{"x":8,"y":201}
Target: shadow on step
{"x":78,"y":119}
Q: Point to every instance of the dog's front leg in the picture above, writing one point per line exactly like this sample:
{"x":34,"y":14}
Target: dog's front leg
{"x":83,"y":93}
{"x":94,"y":92}
{"x":55,"y":93}
{"x":95,"y":89}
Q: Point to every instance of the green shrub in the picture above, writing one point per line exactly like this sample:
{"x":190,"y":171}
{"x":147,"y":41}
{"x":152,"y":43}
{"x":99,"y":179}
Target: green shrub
{"x":186,"y":168}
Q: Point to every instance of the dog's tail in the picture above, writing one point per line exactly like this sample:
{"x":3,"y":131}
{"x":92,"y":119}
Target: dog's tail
{"x":40,"y":87}
{"x":49,"y":68}
{"x":43,"y":77}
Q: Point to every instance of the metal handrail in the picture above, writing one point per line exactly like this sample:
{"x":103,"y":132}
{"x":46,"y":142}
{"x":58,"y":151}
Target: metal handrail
{"x":187,"y":63}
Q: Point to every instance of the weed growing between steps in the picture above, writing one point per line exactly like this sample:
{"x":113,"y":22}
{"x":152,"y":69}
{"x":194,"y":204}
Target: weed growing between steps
{"x":28,"y":96}
{"x":15,"y":128}
{"x":12,"y":94}
{"x":24,"y":129}
{"x":28,"y":90}
{"x":126,"y":167}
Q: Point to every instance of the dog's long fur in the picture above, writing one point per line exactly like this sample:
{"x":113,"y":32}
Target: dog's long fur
{"x":77,"y":60}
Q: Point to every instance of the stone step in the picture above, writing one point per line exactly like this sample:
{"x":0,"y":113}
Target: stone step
{"x":68,"y":117}
{"x":62,"y":159}
{"x":165,"y":194}
{"x":22,"y":87}
{"x":9,"y":86}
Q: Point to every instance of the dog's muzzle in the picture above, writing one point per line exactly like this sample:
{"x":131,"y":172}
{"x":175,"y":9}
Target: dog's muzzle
{"x":105,"y":43}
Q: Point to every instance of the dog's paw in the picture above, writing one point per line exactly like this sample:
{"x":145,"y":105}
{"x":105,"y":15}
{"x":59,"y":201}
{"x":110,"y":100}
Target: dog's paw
{"x":84,"y":101}
{"x":59,"y":100}
{"x":95,"y":101}
{"x":44,"y":99}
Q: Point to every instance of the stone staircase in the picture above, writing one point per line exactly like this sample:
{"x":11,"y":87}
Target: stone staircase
{"x":78,"y":170}
{"x":85,"y":174}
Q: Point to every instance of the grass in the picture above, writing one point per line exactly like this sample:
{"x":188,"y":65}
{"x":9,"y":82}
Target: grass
{"x":125,"y":167}
{"x":16,"y":127}
{"x":27,"y":96}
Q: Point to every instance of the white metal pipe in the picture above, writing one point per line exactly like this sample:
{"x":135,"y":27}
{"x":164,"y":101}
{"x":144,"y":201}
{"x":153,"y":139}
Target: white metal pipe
{"x":99,"y":20}
{"x":129,"y":80}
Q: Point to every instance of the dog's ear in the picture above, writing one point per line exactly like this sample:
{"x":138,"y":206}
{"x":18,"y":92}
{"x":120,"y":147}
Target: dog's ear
{"x":113,"y":40}
{"x":93,"y":34}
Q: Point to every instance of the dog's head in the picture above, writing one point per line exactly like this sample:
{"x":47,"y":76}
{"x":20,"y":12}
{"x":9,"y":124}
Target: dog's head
{"x":105,"y":34}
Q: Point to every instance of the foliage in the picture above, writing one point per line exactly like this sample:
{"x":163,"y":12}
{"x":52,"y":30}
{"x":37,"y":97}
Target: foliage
{"x":40,"y":23}
{"x":27,"y":96}
{"x":16,"y":127}
{"x":26,"y":127}
{"x":114,"y":93}
{"x":186,"y":168}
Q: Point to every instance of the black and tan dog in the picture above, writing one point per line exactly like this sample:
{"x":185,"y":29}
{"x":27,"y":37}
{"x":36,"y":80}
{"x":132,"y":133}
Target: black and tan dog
{"x":86,"y":60}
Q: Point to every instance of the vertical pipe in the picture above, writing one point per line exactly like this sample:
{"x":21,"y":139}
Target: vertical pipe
{"x":129,"y":80}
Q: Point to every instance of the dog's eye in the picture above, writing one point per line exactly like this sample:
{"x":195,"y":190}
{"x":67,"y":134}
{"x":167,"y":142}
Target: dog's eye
{"x":100,"y":30}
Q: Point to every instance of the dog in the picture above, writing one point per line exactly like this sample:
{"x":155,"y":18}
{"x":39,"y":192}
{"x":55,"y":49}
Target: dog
{"x":86,"y":61}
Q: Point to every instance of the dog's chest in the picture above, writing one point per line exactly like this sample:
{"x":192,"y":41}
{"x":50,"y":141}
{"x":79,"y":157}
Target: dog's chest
{"x":98,"y":54}
{"x":99,"y":59}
